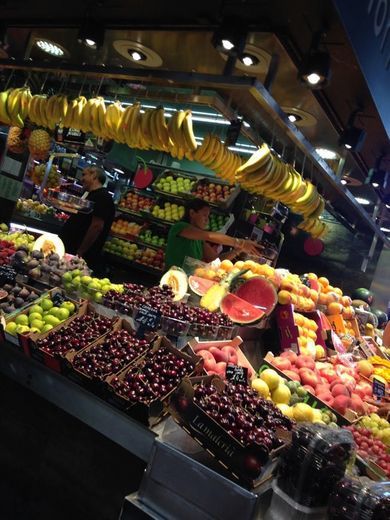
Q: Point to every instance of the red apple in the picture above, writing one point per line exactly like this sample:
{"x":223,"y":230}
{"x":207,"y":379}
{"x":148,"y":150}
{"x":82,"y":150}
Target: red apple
{"x":209,"y":364}
{"x":308,"y":377}
{"x":231,"y":354}
{"x":205,"y":354}
{"x":290,"y":355}
{"x":305,"y":362}
{"x":341,"y":403}
{"x":340,"y":389}
{"x":327,"y":398}
{"x":219,"y":355}
{"x":292,"y":375}
{"x":281,"y":363}
{"x":220,"y":368}
{"x":329,"y":374}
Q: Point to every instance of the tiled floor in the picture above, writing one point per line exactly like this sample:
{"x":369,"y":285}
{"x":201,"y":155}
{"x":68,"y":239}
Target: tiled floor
{"x":54,"y":467}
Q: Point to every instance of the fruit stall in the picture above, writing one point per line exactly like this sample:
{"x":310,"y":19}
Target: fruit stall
{"x":172,"y":374}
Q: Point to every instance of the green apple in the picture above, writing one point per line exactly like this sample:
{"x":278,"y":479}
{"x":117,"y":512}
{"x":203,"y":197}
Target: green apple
{"x":47,"y":327}
{"x":94,"y":286}
{"x":68,"y":305}
{"x":34,"y":316}
{"x":46,"y":304}
{"x":75,"y":273}
{"x":11,"y":328}
{"x":22,"y":319}
{"x":76,"y":281}
{"x":86,"y":280}
{"x":35,"y":330}
{"x":62,"y":314}
{"x":98,"y":297}
{"x":39,"y":324}
{"x":51,"y":320}
{"x":36,"y":308}
{"x":67,"y":277}
{"x":54,"y":311}
{"x":22,"y":329}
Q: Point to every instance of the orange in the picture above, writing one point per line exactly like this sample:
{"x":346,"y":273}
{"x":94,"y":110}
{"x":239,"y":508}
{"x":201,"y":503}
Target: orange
{"x":284,"y":297}
{"x":239,"y":264}
{"x":268,"y":271}
{"x":300,"y":331}
{"x":323,"y":281}
{"x":312,"y":276}
{"x":333,"y":297}
{"x":249,"y":264}
{"x":314,"y":295}
{"x":227,"y":265}
{"x":294,"y":299}
{"x":312,"y":335}
{"x":288,"y":285}
{"x":338,"y":291}
{"x":346,"y":301}
{"x":299,"y":319}
{"x":335,"y":308}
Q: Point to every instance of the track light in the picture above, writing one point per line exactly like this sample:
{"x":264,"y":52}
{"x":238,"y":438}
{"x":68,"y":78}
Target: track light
{"x":229,"y":39}
{"x":353,"y":137}
{"x":315,"y":69}
{"x":249,"y":60}
{"x":91,"y":33}
{"x":137,"y":55}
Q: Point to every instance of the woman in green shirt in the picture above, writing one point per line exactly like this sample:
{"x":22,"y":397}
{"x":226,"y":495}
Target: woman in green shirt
{"x":190,"y":238}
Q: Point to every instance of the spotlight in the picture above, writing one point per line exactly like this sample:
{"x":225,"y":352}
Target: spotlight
{"x":91,"y":33}
{"x":50,"y":47}
{"x":249,"y":60}
{"x":363,"y":202}
{"x":353,"y":137}
{"x":315,"y":69}
{"x":229,"y":39}
{"x":326,"y":154}
{"x":343,"y":182}
{"x":137,"y":55}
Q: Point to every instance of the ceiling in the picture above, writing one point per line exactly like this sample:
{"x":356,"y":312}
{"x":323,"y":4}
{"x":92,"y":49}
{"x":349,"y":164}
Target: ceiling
{"x":180,"y":34}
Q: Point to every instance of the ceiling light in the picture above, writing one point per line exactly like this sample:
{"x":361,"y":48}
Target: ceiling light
{"x":249,"y":60}
{"x":313,"y":78}
{"x":292,"y":118}
{"x":386,"y":230}
{"x":230,"y":38}
{"x":137,"y":55}
{"x":352,"y":138}
{"x":90,"y":42}
{"x":343,"y":182}
{"x":363,"y":202}
{"x":50,"y":47}
{"x":91,"y":33}
{"x":388,"y":206}
{"x":227,"y":45}
{"x":315,"y":69}
{"x":375,"y":185}
{"x":325,"y":153}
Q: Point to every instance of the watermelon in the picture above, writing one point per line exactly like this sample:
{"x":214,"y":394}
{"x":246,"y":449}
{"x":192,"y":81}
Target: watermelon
{"x":259,"y":292}
{"x":199,"y":285}
{"x":363,"y":294}
{"x":240,"y":311}
{"x":382,"y":316}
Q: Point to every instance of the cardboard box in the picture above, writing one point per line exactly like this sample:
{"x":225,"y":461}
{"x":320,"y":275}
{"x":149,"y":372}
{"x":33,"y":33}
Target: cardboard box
{"x":54,"y":361}
{"x":238,"y":459}
{"x":148,"y":413}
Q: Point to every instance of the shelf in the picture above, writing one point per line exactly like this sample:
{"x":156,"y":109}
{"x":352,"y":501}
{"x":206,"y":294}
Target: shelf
{"x":49,"y":226}
{"x":130,"y":263}
{"x":137,"y":241}
{"x":78,"y":402}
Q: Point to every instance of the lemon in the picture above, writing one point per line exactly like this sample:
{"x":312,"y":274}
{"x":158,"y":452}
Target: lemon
{"x":271,"y":377}
{"x":303,"y":412}
{"x":281,"y":395}
{"x":286,"y":410}
{"x":260,"y":386}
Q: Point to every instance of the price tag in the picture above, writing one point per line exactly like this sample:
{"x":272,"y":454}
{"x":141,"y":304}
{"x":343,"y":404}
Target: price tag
{"x":237,"y":375}
{"x":378,"y":388}
{"x":147,"y":319}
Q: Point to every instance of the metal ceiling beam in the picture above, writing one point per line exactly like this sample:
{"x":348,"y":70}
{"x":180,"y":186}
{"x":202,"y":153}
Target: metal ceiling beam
{"x":211,"y":81}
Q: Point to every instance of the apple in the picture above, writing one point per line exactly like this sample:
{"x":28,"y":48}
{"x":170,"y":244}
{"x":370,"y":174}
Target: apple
{"x":220,"y":369}
{"x":292,"y":375}
{"x":329,"y":374}
{"x":219,"y":355}
{"x":305,"y":362}
{"x":281,"y":363}
{"x":348,"y":380}
{"x":308,"y":377}
{"x":321,"y":388}
{"x":340,"y":389}
{"x":231,"y":354}
{"x":327,"y":398}
{"x":290,"y":355}
{"x":341,"y":403}
{"x":310,"y":389}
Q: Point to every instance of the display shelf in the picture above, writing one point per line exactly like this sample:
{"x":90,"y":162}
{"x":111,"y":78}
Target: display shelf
{"x":48,"y":225}
{"x":130,"y":263}
{"x":78,"y":402}
{"x":136,"y":241}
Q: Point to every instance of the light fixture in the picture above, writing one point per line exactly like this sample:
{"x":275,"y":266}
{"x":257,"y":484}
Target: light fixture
{"x":363,"y":202}
{"x":292,"y":118}
{"x":137,"y":55}
{"x":230,"y":38}
{"x":91,"y":33}
{"x":327,"y":154}
{"x":375,"y":185}
{"x":343,"y":182}
{"x":388,"y":206}
{"x":352,"y":138}
{"x":249,"y":60}
{"x":315,"y":68}
{"x":50,"y":47}
{"x":386,"y":230}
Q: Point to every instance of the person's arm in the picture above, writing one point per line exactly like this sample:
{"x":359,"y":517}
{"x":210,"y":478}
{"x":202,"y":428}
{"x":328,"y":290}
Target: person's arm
{"x":91,"y":235}
{"x":193,"y":233}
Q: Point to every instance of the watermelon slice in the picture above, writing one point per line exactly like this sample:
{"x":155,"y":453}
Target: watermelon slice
{"x":199,"y":285}
{"x":259,"y":292}
{"x":240,"y":311}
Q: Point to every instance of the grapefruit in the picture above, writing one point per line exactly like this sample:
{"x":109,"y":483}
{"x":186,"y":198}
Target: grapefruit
{"x":199,"y":285}
{"x":239,"y":310}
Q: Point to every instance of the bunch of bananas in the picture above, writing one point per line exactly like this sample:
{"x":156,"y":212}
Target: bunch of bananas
{"x":14,"y":106}
{"x":48,"y":111}
{"x":265,"y":174}
{"x":214,"y":155}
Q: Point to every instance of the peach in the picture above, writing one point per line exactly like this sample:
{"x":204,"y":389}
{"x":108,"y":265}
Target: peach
{"x":340,"y":389}
{"x":348,"y":380}
{"x":363,"y":389}
{"x":341,"y":403}
{"x":308,"y":377}
{"x":220,"y":369}
{"x":357,"y":404}
{"x":329,"y":374}
{"x":292,"y":375}
{"x":209,"y":364}
{"x":305,"y":362}
{"x":281,"y":363}
{"x":219,"y":355}
{"x":290,"y":355}
{"x":310,"y":389}
{"x":336,"y":381}
{"x":205,"y":354}
{"x":322,"y":388}
{"x":231,"y":354}
{"x":326,"y":397}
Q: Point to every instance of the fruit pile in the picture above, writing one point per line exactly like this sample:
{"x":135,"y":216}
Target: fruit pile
{"x":170,"y":212}
{"x":84,"y":330}
{"x":14,"y":106}
{"x":35,"y":206}
{"x":151,"y":238}
{"x":307,"y":339}
{"x":380,"y":367}
{"x":18,"y":296}
{"x":174,"y":184}
{"x":216,"y":221}
{"x":7,"y":275}
{"x":151,"y":258}
{"x":88,"y":287}
{"x":378,"y":426}
{"x":119,"y":247}
{"x":53,"y":179}
{"x":212,"y":192}
{"x":370,"y":448}
{"x":294,"y":291}
{"x":216,"y":360}
{"x":154,"y":377}
{"x":333,"y":299}
{"x":134,"y":202}
{"x":124,"y":227}
{"x":42,"y":317}
{"x":7,"y":249}
{"x":227,"y":266}
{"x":18,"y":238}
{"x":118,"y":349}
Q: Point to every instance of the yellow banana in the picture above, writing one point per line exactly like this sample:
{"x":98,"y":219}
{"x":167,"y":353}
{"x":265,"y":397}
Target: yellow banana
{"x":188,"y":131}
{"x":4,"y":116}
{"x":202,"y":148}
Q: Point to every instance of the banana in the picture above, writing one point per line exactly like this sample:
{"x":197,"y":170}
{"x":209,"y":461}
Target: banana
{"x":260,"y":178}
{"x":63,"y":108}
{"x":125,"y":122}
{"x":284,"y":185}
{"x":86,"y":116}
{"x":101,"y":118}
{"x":277,"y":178}
{"x":154,"y":126}
{"x":217,"y":158}
{"x":188,"y":131}
{"x":146,"y":133}
{"x":211,"y":150}
{"x":179,"y":130}
{"x":4,"y":116}
{"x":112,"y":119}
{"x":200,"y":152}
{"x":172,"y":125}
{"x":14,"y":107}
{"x":68,"y":121}
{"x":25,"y":102}
{"x":256,"y":161}
{"x":135,"y":124}
{"x":317,"y":212}
{"x":42,"y":102}
{"x":162,"y":128}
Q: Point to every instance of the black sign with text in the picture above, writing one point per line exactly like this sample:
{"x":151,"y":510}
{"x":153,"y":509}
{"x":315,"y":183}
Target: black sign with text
{"x":147,"y":319}
{"x":237,"y":375}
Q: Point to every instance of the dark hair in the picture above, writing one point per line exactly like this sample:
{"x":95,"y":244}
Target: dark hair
{"x":195,"y":205}
{"x":100,"y":174}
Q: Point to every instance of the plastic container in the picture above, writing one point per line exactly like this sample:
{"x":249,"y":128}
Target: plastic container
{"x":314,"y":463}
{"x":283,"y":507}
{"x":174,"y":327}
{"x":204,"y":330}
{"x":354,"y":499}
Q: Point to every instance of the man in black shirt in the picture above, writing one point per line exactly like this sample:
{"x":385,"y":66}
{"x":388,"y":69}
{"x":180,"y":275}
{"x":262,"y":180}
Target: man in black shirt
{"x":84,"y":234}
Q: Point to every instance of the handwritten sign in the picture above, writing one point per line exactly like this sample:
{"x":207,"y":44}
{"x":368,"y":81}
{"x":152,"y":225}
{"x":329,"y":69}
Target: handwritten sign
{"x":378,"y":388}
{"x":147,"y":319}
{"x":237,"y":375}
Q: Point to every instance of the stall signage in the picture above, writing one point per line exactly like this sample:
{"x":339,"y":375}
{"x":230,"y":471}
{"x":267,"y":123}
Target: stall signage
{"x":367,"y":23}
{"x":147,"y":319}
{"x":237,"y":375}
{"x":378,"y":388}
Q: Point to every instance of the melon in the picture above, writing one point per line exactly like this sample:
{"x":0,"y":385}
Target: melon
{"x":382,"y":316}
{"x":360,"y":303}
{"x":199,"y":285}
{"x":176,"y":279}
{"x":363,"y":294}
{"x":48,"y":244}
{"x":259,"y":292}
{"x":239,"y":310}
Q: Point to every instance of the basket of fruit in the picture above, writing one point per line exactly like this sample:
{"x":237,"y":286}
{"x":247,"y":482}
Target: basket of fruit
{"x":216,"y":193}
{"x":220,"y":222}
{"x":124,"y":227}
{"x":134,"y":202}
{"x":153,"y":236}
{"x":174,"y":184}
{"x":165,"y":212}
